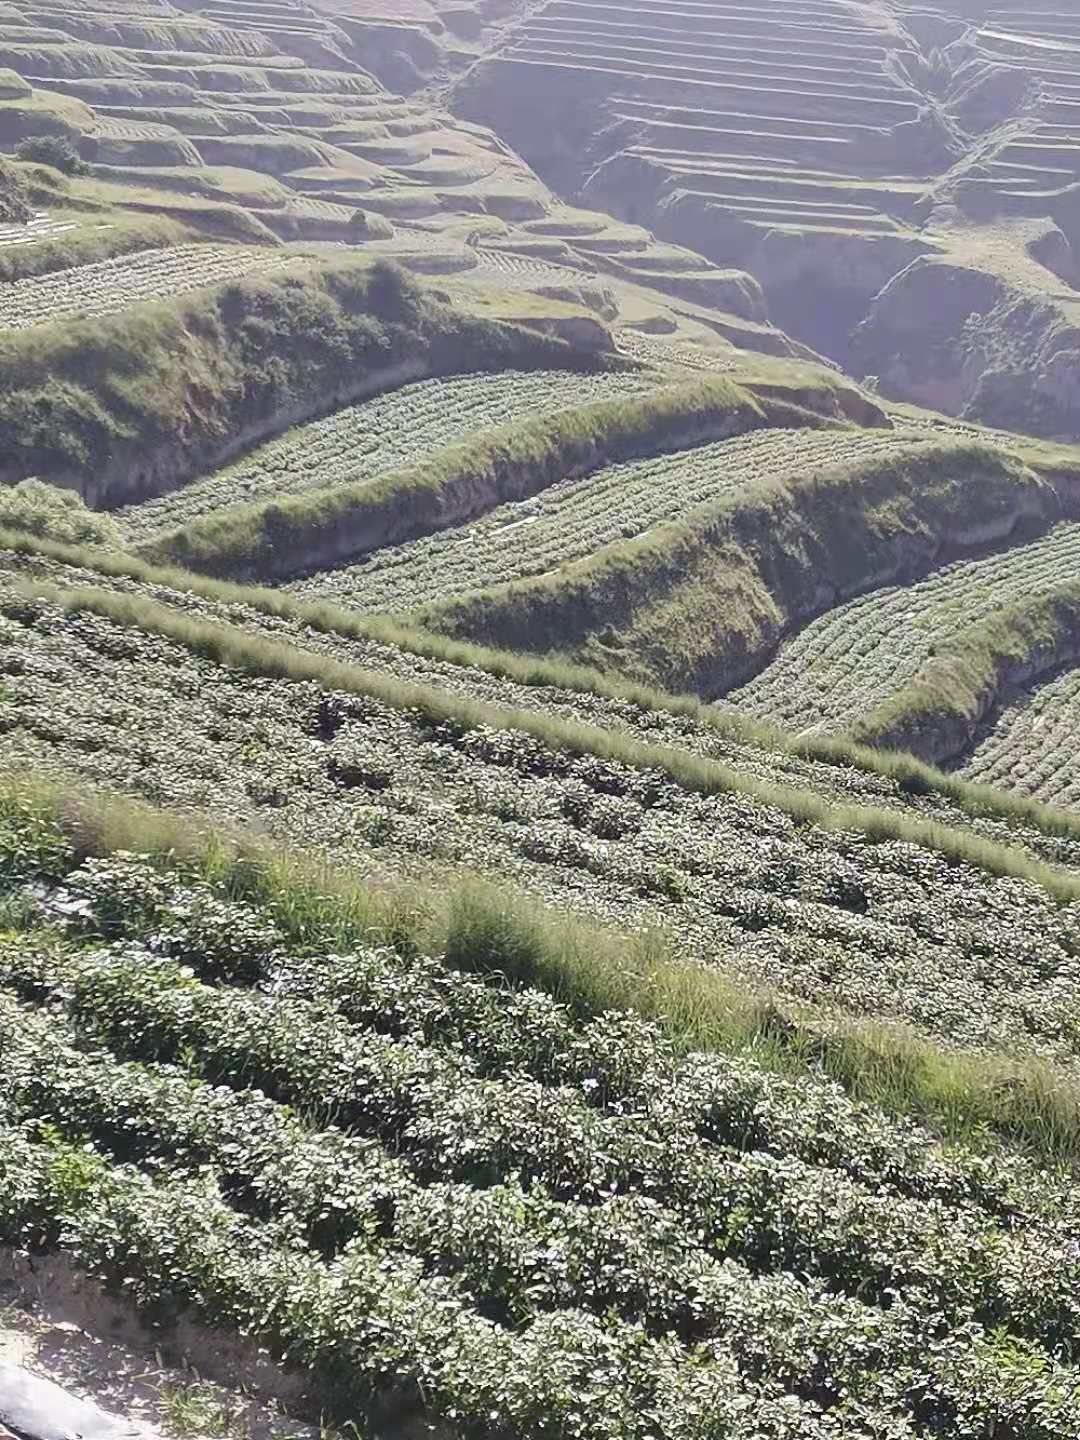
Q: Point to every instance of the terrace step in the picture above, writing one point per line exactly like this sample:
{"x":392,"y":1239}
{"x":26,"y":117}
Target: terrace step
{"x":712,"y":87}
{"x":648,"y":112}
{"x":792,"y":189}
{"x":725,"y":45}
{"x":750,"y":141}
{"x":843,"y":216}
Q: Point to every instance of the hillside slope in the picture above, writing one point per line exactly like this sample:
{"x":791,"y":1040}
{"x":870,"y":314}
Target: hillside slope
{"x":539,"y":836}
{"x":900,"y":181}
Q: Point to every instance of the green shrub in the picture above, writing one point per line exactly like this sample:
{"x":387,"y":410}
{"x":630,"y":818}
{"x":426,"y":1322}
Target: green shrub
{"x":55,"y":514}
{"x":54,"y":150}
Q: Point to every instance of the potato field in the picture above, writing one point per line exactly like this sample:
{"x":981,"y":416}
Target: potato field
{"x":389,"y":432}
{"x":1030,"y":746}
{"x":340,"y":1153}
{"x":107,"y":286}
{"x":436,"y":1001}
{"x":857,"y":655}
{"x":577,"y":517}
{"x":822,"y":917}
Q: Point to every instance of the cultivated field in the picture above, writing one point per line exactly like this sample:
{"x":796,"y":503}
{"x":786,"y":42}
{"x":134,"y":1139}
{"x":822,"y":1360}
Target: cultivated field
{"x":574,"y":519}
{"x":1031,"y":745}
{"x":414,"y":1017}
{"x":107,"y":286}
{"x":419,"y":1224}
{"x":824,"y":918}
{"x":838,"y":669}
{"x":387,"y":433}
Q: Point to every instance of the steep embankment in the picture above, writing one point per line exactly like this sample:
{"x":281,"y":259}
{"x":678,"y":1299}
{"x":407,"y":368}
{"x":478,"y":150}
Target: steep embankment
{"x":14,"y":206}
{"x":697,"y":605}
{"x":134,"y":404}
{"x":329,"y":525}
{"x":988,"y":336}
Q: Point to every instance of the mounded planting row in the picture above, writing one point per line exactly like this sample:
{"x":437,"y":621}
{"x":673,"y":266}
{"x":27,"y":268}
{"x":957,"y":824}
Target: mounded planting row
{"x":325,"y":526}
{"x":697,"y":605}
{"x":688,"y":1246}
{"x":835,"y":767}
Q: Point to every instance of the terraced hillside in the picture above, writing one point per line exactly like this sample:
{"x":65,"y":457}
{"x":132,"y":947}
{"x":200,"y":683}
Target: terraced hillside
{"x":265,"y":1093}
{"x":269,"y":127}
{"x":886,"y":172}
{"x":539,"y":853}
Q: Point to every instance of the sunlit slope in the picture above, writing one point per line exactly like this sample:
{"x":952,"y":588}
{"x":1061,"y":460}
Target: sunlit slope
{"x":268,"y":126}
{"x":902,"y":181}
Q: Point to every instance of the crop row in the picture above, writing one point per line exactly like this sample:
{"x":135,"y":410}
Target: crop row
{"x":386,"y":433}
{"x":859,"y":654}
{"x":883,"y":929}
{"x":106,"y":286}
{"x":624,"y":1211}
{"x":377,"y":1331}
{"x":755,"y":760}
{"x":577,"y":517}
{"x":615,"y":1060}
{"x":651,"y":351}
{"x":1031,"y":745}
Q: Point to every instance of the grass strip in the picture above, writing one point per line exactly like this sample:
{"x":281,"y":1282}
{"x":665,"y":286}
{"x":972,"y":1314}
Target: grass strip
{"x":231,"y":646}
{"x":47,"y":825}
{"x":911,"y":775}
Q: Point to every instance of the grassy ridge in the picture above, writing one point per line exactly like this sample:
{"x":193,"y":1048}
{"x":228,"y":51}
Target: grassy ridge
{"x":89,"y":243}
{"x":936,"y":713}
{"x":320,"y":527}
{"x":912,"y":776}
{"x":46,"y":825}
{"x":697,"y":605}
{"x":139,"y":401}
{"x":233,"y":646}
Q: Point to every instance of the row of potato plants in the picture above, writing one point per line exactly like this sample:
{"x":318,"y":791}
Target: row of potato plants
{"x":390,"y":432}
{"x":826,"y":917}
{"x":578,"y":517}
{"x":860,"y":654}
{"x":666,"y":1233}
